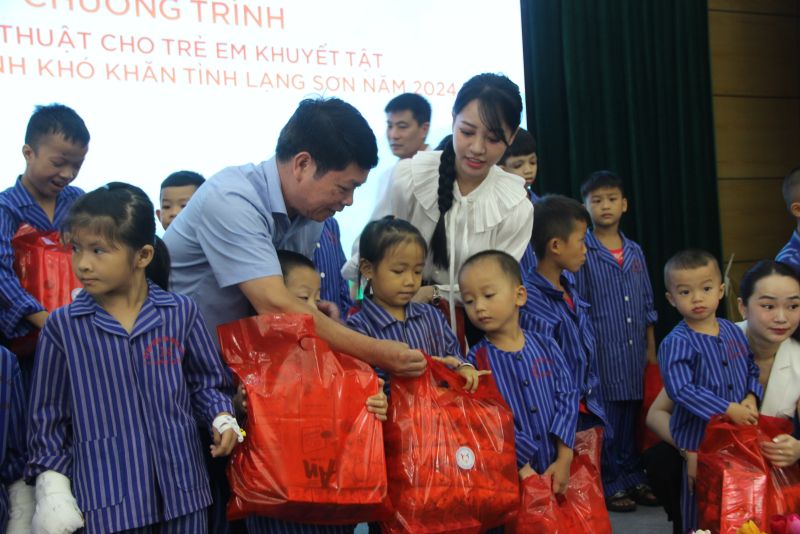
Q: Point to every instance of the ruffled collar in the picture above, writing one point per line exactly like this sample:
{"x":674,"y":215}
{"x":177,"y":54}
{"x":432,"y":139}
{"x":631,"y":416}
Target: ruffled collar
{"x":490,"y":202}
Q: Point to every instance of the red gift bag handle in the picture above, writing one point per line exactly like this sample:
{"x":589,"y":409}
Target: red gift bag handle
{"x":440,"y":373}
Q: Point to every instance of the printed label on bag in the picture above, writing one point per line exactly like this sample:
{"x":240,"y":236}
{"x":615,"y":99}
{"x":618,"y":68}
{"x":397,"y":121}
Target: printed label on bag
{"x":465,"y":458}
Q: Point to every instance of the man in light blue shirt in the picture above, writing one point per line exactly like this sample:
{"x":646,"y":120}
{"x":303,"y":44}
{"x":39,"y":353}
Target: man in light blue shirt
{"x":223,"y":244}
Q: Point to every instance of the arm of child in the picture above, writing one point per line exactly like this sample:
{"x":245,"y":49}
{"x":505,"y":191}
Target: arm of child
{"x":652,"y":314}
{"x":18,"y":304}
{"x":677,"y":361}
{"x":567,"y":397}
{"x":559,"y":469}
{"x":658,"y":416}
{"x":269,"y":295}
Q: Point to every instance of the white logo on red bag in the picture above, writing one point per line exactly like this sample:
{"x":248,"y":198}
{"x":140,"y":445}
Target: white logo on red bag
{"x":465,"y":458}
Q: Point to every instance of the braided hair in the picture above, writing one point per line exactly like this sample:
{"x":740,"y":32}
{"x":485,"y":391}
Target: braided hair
{"x":500,"y":105}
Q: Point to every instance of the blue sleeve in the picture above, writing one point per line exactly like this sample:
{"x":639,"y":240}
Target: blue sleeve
{"x":677,"y":362}
{"x":206,"y":376}
{"x":652,"y":315}
{"x":49,"y":413}
{"x":12,"y":418}
{"x":565,"y":420}
{"x":15,"y":302}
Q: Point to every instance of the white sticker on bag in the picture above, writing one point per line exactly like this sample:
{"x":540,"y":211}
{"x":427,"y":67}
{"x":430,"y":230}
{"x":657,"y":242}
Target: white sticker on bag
{"x":465,"y":458}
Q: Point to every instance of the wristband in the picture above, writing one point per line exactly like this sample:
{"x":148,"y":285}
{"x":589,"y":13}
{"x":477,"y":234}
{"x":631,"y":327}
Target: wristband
{"x":223,"y":423}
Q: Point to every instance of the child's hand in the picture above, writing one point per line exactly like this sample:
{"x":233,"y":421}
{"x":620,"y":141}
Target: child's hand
{"x":526,"y":471}
{"x":329,"y":308}
{"x":240,"y":400}
{"x":560,"y":472}
{"x":691,"y":469}
{"x":741,"y":415}
{"x":226,"y":434}
{"x":470,"y":374}
{"x":378,"y":404}
{"x":749,"y":402}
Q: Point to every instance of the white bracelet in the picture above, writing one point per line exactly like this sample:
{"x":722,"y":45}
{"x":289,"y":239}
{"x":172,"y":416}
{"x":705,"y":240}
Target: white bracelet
{"x":225,"y":422}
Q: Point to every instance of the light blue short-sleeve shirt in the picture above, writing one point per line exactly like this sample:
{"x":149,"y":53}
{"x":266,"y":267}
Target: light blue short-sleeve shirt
{"x":228,"y":234}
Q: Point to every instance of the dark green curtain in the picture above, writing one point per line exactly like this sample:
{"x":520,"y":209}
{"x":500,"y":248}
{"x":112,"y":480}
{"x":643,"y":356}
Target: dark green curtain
{"x":625,"y":85}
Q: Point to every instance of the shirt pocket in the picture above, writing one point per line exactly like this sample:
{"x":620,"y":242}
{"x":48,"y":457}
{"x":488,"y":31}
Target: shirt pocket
{"x":98,"y":475}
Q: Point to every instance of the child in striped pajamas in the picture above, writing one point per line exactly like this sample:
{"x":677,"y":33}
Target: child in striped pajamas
{"x":615,"y":282}
{"x":392,"y":258}
{"x":329,"y":259}
{"x":120,"y":376}
{"x":706,"y":364}
{"x":529,"y":369}
{"x":553,"y":308}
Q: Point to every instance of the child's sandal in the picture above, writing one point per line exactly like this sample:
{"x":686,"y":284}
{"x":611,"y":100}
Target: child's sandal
{"x":620,"y":502}
{"x":643,"y":495}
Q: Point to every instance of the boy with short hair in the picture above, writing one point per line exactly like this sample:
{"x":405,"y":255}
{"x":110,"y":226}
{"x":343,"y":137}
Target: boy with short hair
{"x":615,"y":282}
{"x":520,"y":158}
{"x":529,"y":369}
{"x":300,"y":276}
{"x":56,"y":143}
{"x":790,"y":253}
{"x":176,"y":190}
{"x":329,"y":259}
{"x":706,"y":364}
{"x":554,"y":308}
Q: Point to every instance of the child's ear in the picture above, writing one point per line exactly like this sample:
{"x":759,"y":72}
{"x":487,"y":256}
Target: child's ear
{"x":365,"y":268}
{"x":670,"y":299}
{"x":28,"y":152}
{"x":554,"y":246}
{"x":145,"y":256}
{"x":794,"y":208}
{"x":520,"y":296}
{"x":624,"y":205}
{"x":721,"y":291}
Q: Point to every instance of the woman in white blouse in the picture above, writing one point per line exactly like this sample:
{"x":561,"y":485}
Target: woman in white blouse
{"x":459,"y":200}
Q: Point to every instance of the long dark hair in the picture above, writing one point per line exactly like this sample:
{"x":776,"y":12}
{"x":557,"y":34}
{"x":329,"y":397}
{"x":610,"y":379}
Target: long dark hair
{"x":761,"y":270}
{"x":500,"y":104}
{"x":123,"y":214}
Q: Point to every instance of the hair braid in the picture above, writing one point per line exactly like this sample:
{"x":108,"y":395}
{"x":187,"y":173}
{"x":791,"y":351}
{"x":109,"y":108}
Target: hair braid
{"x":447,"y":177}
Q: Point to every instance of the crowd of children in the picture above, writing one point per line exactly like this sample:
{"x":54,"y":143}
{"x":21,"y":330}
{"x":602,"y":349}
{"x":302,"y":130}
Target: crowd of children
{"x":120,"y":419}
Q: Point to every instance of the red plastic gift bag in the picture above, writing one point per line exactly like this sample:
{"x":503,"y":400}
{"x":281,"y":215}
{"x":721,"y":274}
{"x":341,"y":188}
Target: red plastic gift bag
{"x":653,"y":384}
{"x":581,"y":509}
{"x":44,"y":268}
{"x":450,"y":455}
{"x":735,"y":483}
{"x":313,"y":454}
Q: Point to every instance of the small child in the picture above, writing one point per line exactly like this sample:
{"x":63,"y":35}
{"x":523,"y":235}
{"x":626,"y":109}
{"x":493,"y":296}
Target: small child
{"x":554,"y":308}
{"x":120,"y":375}
{"x":392,"y":258}
{"x":705,"y":362}
{"x":329,"y":259}
{"x":56,"y":143}
{"x":790,"y":253}
{"x":615,"y":282}
{"x":176,"y":190}
{"x":529,"y":369}
{"x":16,"y":497}
{"x":520,"y":158}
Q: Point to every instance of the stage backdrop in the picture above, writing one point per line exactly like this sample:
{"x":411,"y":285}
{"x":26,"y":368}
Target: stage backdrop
{"x":165,"y":85}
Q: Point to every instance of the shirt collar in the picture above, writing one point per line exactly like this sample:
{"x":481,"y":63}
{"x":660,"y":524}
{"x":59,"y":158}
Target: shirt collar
{"x":384,"y":319}
{"x":84,"y":304}
{"x":22,"y":195}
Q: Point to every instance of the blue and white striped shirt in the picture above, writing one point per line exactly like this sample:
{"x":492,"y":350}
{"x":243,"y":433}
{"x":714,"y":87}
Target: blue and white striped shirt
{"x":329,"y":259}
{"x":12,"y":426}
{"x":536,"y":384}
{"x":546,"y":313}
{"x":703,"y":374}
{"x":425,"y":329}
{"x":621,"y":300}
{"x":790,"y":253}
{"x":17,"y":206}
{"x":116,"y":412}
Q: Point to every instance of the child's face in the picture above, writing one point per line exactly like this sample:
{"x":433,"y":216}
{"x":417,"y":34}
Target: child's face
{"x":53,"y":166}
{"x":104,"y":267}
{"x":304,"y":283}
{"x":696,"y":293}
{"x":173,"y":200}
{"x":570,"y":254}
{"x":491,"y":299}
{"x":406,"y":136}
{"x":606,"y":206}
{"x":398,"y":276}
{"x":526,"y":166}
{"x":476,"y":148}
